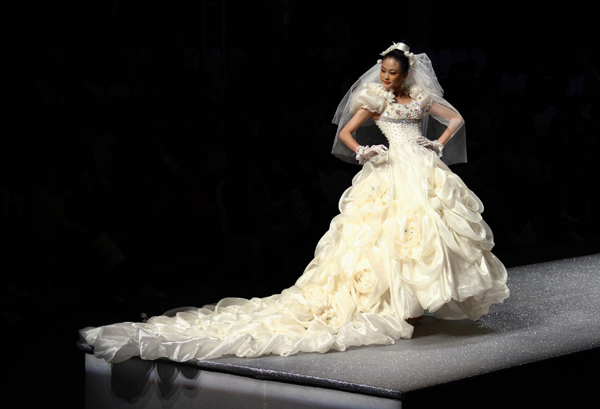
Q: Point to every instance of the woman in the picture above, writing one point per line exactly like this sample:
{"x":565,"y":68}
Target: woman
{"x":409,"y":238}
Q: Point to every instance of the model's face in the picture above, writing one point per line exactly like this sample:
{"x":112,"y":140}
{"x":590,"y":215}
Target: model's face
{"x":391,"y":74}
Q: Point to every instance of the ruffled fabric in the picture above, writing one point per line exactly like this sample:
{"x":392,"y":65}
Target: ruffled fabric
{"x":441,"y":246}
{"x":372,"y":96}
{"x":300,"y":319}
{"x":419,"y":95}
{"x":409,"y":238}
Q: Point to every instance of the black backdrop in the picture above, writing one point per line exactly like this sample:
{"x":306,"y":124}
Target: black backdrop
{"x":130,"y":124}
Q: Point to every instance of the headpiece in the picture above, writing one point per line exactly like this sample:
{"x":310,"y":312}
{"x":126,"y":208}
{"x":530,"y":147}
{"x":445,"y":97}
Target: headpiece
{"x":402,"y":47}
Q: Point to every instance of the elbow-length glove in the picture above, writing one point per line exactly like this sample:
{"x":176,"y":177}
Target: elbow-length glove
{"x":364,"y":153}
{"x":435,"y":146}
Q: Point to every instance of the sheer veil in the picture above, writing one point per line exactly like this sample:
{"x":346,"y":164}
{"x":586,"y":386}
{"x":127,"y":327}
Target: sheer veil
{"x":422,"y":84}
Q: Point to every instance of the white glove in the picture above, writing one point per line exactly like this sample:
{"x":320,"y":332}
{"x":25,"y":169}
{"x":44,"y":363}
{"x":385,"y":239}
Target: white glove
{"x":435,"y":146}
{"x":364,"y":153}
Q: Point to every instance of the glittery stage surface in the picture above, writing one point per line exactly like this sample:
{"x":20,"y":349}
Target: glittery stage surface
{"x":553,"y":310}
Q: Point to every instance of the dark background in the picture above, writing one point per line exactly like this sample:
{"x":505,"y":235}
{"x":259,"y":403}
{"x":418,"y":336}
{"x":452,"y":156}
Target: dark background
{"x":157,"y":155}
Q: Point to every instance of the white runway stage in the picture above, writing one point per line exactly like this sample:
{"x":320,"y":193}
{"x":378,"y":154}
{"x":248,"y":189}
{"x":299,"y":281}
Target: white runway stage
{"x":553,"y":311}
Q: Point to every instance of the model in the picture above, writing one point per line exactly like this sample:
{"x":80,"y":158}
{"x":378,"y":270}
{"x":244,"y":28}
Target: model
{"x":409,"y":238}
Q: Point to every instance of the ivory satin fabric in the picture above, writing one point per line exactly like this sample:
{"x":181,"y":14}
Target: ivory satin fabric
{"x":409,"y":238}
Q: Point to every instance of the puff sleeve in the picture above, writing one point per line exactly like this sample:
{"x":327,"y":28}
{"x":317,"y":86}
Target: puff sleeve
{"x":418,"y":95}
{"x":372,"y":96}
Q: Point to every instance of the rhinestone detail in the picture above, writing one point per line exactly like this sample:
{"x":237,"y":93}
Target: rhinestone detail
{"x":401,"y":123}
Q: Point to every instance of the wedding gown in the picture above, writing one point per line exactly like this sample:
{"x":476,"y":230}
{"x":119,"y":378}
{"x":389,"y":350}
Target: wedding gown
{"x":409,"y":238}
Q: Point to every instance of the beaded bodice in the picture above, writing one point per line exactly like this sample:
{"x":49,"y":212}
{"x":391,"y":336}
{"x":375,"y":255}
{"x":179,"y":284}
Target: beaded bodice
{"x":401,"y":123}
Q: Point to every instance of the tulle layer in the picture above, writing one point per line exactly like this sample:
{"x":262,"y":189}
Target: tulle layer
{"x":409,"y":238}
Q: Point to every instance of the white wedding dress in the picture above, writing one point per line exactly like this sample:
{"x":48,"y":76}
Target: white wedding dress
{"x":409,"y":238}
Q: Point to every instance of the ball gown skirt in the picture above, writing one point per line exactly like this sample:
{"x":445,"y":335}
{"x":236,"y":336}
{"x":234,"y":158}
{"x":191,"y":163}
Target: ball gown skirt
{"x":409,"y":238}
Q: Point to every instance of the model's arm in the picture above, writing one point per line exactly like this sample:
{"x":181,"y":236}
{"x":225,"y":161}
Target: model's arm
{"x":454,"y":119}
{"x":357,"y":120}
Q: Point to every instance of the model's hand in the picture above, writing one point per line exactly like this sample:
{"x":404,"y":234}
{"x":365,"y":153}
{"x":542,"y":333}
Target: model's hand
{"x":364,"y":153}
{"x":435,"y":146}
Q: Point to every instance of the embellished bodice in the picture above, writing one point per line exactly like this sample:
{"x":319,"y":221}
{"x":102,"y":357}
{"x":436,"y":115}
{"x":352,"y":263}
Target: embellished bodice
{"x":401,"y":123}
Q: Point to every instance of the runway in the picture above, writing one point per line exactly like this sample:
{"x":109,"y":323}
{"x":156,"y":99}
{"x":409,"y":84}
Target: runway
{"x":553,"y":311}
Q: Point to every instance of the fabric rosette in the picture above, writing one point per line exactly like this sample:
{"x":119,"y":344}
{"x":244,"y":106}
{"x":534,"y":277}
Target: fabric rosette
{"x":372,"y":96}
{"x":363,"y":279}
{"x":410,"y":230}
{"x":365,"y":287}
{"x":417,"y":94}
{"x":371,"y":189}
{"x":460,"y":224}
{"x":460,"y":207}
{"x":333,"y":309}
{"x":379,"y":90}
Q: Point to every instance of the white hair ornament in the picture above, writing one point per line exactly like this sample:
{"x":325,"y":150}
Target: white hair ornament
{"x":402,"y":47}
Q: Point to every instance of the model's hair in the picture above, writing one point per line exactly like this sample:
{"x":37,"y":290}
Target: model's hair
{"x":399,"y":56}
